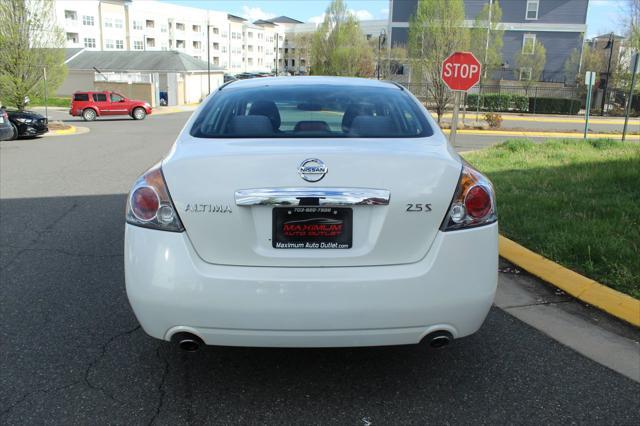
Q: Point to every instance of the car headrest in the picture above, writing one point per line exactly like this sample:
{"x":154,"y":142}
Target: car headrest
{"x":351,"y":112}
{"x":311,"y":126}
{"x":250,"y":125}
{"x":372,"y":126}
{"x":268,"y":109}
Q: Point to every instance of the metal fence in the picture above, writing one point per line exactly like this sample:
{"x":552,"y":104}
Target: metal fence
{"x":532,"y":93}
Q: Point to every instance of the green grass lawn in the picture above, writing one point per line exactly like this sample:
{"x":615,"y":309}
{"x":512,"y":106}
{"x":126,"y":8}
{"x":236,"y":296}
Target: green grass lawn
{"x":51,"y":101}
{"x":575,"y":202}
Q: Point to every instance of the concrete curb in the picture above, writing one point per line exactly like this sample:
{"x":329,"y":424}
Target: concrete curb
{"x":72,"y":130}
{"x":526,"y":134}
{"x":549,"y":119}
{"x":585,"y":289}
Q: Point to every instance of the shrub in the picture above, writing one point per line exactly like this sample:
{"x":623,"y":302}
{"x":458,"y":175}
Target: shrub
{"x":554,"y":106}
{"x":494,"y":120}
{"x":499,"y":102}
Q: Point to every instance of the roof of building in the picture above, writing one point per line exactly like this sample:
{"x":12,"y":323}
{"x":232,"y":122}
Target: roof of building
{"x":263,"y":22}
{"x":127,"y":61}
{"x":606,"y":36}
{"x":285,"y":20}
{"x":235,"y":17}
{"x":71,"y":52}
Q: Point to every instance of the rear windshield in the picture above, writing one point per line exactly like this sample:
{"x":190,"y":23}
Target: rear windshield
{"x":304,"y":111}
{"x":81,"y":97}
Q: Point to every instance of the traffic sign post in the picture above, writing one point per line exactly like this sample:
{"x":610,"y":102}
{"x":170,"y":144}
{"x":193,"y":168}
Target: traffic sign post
{"x":589,"y":80}
{"x":635,"y":67}
{"x":460,"y":72}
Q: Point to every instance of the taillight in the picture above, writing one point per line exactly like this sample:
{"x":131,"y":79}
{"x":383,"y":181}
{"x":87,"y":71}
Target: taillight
{"x":474,"y":202}
{"x":149,"y":204}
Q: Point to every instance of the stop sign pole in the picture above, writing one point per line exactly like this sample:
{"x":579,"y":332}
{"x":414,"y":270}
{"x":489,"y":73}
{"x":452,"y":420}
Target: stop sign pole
{"x":460,"y":72}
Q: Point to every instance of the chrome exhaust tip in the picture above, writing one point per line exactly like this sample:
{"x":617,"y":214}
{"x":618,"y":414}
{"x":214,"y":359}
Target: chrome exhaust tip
{"x":439,"y":339}
{"x":187,"y":342}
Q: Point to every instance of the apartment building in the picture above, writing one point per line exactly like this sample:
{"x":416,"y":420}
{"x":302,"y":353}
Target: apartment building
{"x":558,"y":24}
{"x":123,"y":25}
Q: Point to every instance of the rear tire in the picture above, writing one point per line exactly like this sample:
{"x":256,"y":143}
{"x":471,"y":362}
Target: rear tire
{"x":139,"y":113}
{"x":89,"y":114}
{"x":15,"y":133}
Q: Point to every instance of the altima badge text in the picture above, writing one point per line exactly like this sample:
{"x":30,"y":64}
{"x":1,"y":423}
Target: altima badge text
{"x":207,"y":208}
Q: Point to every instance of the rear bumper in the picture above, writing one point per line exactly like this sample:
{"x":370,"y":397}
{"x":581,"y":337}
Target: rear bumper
{"x":171,"y":289}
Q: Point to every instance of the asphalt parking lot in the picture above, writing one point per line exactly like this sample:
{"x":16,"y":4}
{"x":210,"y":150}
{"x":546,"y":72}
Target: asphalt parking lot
{"x":72,"y":351}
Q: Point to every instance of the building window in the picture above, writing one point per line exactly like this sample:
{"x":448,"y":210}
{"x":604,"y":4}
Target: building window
{"x":196,"y":45}
{"x":120,"y":44}
{"x":109,"y":44}
{"x":216,"y":60}
{"x":90,"y":43}
{"x":108,"y":23}
{"x":525,"y":74}
{"x":118,"y":23}
{"x":150,"y":23}
{"x":532,"y":9}
{"x":137,"y":25}
{"x":250,"y":34}
{"x":88,"y":21}
{"x":528,"y":44}
{"x":216,"y":46}
{"x":138,"y":45}
{"x":70,"y":15}
{"x":163,"y":28}
{"x":216,"y":31}
{"x":195,"y":28}
{"x":224,"y":49}
{"x":72,"y":38}
{"x":224,"y":34}
{"x":180,"y":44}
{"x":151,"y":42}
{"x":179,"y":26}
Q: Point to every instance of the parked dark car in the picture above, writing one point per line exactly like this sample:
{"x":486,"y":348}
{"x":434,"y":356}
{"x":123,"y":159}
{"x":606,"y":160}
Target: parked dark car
{"x":6,"y":128}
{"x":228,"y":77}
{"x":28,"y":124}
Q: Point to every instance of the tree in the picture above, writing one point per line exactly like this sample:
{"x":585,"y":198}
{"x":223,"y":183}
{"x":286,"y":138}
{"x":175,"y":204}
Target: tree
{"x":530,"y":62}
{"x":29,"y":42}
{"x":299,"y":50}
{"x":435,"y":31}
{"x":339,"y":47}
{"x":591,"y":59}
{"x":486,"y":37}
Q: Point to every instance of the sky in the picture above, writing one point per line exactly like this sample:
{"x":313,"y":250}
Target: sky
{"x":603,"y":17}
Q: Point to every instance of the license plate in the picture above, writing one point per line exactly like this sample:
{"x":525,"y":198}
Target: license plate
{"x":312,"y":228}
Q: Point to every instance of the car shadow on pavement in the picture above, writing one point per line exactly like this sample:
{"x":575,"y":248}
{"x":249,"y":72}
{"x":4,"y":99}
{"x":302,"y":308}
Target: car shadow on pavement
{"x":97,"y":120}
{"x":73,"y":349}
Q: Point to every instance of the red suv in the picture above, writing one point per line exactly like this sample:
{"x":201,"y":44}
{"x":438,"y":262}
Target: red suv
{"x":90,"y":105}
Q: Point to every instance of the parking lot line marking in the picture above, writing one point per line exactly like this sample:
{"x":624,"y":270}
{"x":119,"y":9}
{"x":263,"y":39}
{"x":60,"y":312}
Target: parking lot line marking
{"x":615,"y":303}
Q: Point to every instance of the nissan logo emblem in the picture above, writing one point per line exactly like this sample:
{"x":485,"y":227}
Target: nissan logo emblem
{"x":312,"y":170}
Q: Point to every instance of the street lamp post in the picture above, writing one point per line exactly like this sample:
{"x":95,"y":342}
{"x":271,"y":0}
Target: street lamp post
{"x":606,"y":84}
{"x":381,"y":40}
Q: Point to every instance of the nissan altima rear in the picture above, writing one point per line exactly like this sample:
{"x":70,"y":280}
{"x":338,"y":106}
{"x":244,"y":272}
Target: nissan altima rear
{"x":311,"y":212}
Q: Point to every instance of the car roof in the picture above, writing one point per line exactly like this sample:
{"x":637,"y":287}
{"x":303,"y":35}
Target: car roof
{"x":311,"y":80}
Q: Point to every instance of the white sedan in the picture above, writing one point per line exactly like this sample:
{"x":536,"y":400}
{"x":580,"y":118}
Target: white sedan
{"x":311,"y":212}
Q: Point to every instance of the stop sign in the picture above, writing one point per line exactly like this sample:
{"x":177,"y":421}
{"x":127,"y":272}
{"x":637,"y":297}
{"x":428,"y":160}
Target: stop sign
{"x":461,"y":71}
